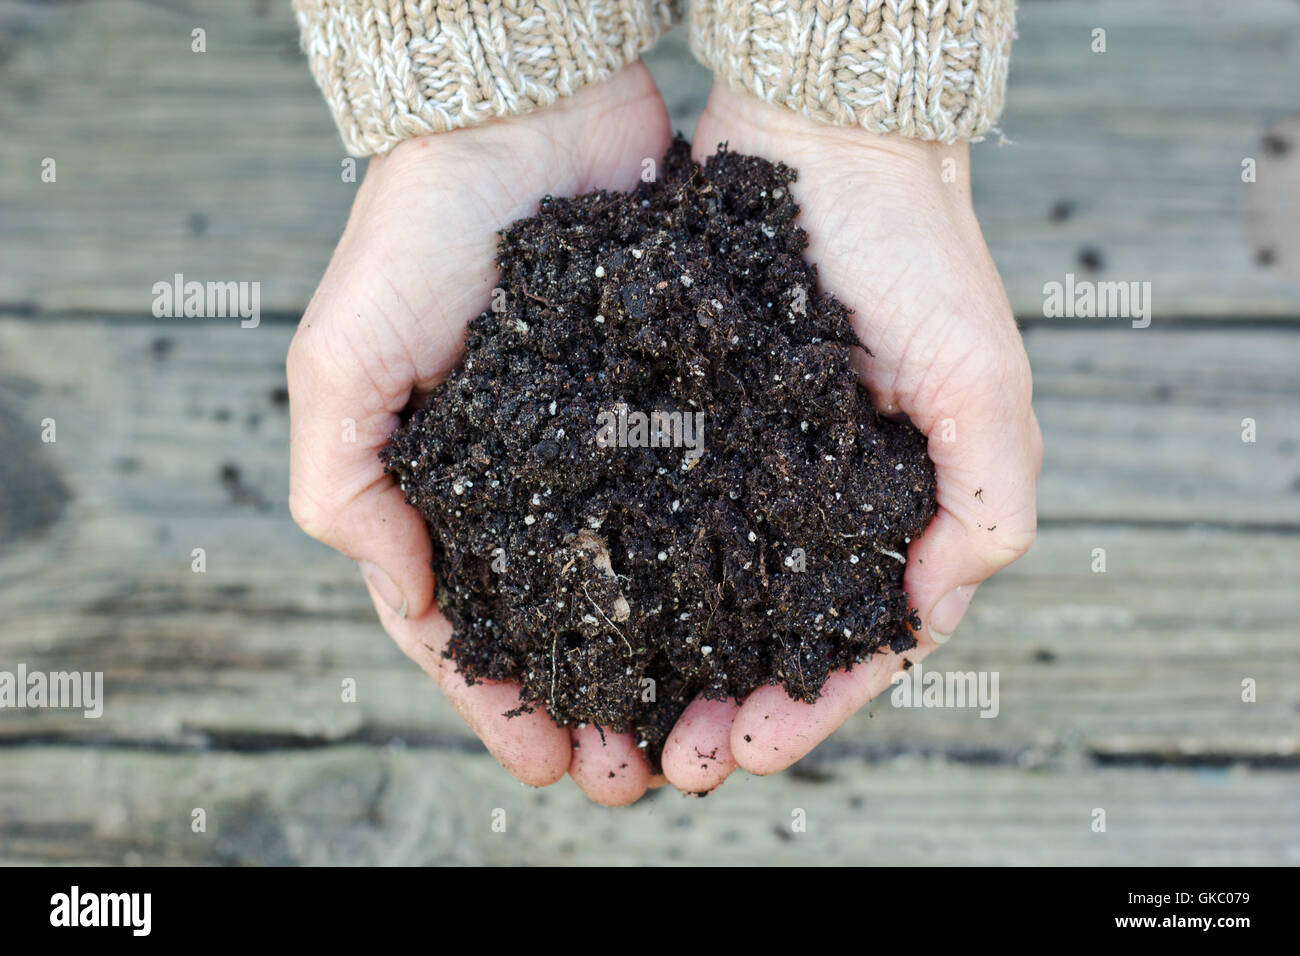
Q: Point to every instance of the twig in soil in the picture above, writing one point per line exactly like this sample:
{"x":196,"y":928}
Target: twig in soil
{"x":538,"y":298}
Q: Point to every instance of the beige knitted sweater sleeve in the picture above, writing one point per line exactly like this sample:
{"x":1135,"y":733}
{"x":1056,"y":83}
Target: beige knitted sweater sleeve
{"x":929,"y":69}
{"x":394,"y":69}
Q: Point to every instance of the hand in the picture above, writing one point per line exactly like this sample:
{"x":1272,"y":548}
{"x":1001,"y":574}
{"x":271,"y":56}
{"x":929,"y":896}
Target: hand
{"x":894,"y":237}
{"x":414,"y":265}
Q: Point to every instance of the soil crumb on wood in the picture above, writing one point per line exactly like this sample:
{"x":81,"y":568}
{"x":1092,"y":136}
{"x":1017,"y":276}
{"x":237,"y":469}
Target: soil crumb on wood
{"x":655,"y":475}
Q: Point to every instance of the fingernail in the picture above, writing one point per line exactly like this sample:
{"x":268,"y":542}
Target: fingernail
{"x":388,"y":592}
{"x":947,"y":613}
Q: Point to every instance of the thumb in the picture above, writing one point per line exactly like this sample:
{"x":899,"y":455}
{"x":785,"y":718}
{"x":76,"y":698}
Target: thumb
{"x":987,"y":455}
{"x":340,"y":415}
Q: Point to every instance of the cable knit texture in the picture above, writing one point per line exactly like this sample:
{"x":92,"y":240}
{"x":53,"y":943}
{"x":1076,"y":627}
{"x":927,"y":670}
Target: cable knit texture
{"x":392,"y":70}
{"x":928,"y":69}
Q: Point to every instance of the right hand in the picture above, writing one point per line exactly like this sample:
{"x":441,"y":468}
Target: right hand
{"x":414,"y":265}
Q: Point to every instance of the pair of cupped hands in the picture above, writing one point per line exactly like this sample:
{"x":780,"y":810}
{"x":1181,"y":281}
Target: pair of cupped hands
{"x":894,"y":237}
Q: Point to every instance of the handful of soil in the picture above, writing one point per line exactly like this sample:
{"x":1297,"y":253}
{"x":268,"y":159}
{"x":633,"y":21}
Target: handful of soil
{"x":655,"y":475}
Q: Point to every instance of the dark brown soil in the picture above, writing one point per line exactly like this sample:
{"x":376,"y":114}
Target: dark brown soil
{"x":616,"y":582}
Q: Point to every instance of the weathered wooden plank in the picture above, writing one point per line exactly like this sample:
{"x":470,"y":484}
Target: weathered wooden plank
{"x":356,"y":806}
{"x":1133,"y":157}
{"x":1144,"y":660}
{"x":1141,"y":424}
{"x":224,"y":165}
{"x":221,"y":165}
{"x":170,"y":437}
{"x":1147,"y":659}
{"x":1149,"y":427}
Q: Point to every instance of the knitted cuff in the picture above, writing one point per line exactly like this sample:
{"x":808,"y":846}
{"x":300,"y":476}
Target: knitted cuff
{"x":928,"y":69}
{"x":394,"y":69}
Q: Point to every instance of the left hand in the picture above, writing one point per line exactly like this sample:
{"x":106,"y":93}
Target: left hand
{"x":894,"y":237}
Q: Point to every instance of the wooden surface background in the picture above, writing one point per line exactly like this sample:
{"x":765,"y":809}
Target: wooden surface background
{"x":1120,"y":690}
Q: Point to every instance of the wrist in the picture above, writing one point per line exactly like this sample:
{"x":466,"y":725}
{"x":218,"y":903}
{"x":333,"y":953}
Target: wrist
{"x":778,"y":133}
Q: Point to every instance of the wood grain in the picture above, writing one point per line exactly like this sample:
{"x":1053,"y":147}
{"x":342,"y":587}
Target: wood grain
{"x":1120,"y":690}
{"x":1201,"y":533}
{"x":358,"y":806}
{"x":224,"y":165}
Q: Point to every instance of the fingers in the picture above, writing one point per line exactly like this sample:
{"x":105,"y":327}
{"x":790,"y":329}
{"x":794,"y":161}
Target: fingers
{"x":697,"y":755}
{"x":608,"y":767}
{"x":974,"y":407}
{"x":969,"y":392}
{"x":987,"y":476}
{"x":529,"y":746}
{"x":339,"y":418}
{"x":772,"y":731}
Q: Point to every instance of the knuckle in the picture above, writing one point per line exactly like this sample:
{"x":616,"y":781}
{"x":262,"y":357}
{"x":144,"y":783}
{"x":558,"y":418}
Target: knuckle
{"x":1009,"y":543}
{"x":987,"y":381}
{"x":1036,"y":445}
{"x":298,"y":362}
{"x":308,"y":514}
{"x":1015,"y":381}
{"x":314,"y":360}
